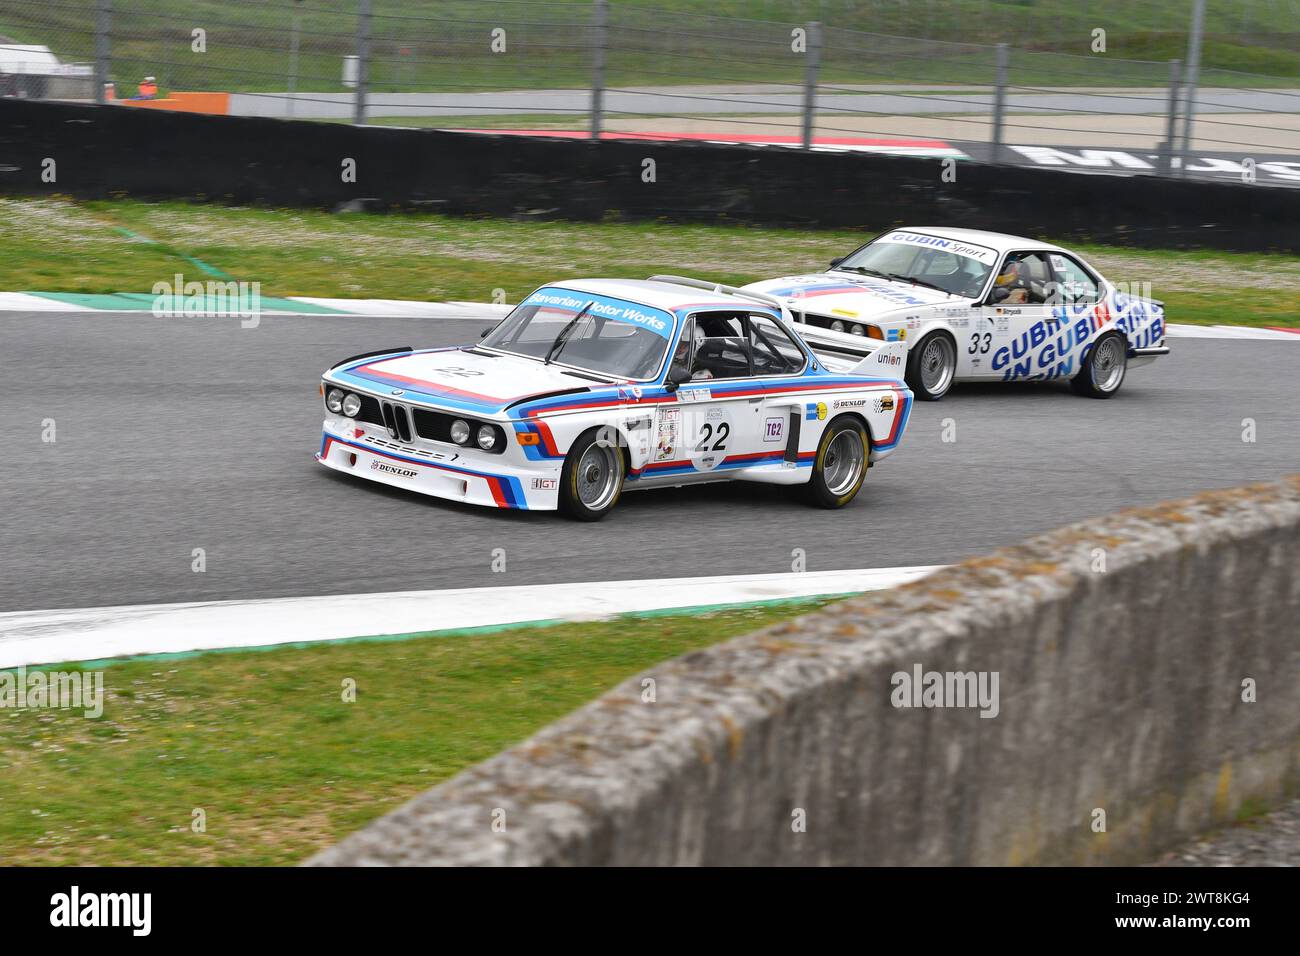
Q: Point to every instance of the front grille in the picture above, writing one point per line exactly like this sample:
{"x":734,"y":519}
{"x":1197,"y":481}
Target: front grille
{"x":396,"y":420}
{"x":370,"y":410}
{"x":437,"y":426}
{"x":404,"y":423}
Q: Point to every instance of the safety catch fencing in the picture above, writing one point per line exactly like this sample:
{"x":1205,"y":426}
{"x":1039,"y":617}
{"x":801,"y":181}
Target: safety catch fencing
{"x":998,"y":80}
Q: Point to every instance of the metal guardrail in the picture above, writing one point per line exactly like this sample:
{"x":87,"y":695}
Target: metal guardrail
{"x":801,"y":73}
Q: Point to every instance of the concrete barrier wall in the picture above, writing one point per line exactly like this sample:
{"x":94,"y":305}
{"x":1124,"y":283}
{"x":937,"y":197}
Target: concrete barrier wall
{"x":112,"y":151}
{"x":1125,"y":648}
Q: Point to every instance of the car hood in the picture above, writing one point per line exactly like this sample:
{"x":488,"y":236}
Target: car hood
{"x":482,"y":382}
{"x":849,"y":295}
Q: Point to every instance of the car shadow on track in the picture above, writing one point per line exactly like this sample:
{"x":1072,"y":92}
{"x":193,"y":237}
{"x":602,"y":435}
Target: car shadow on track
{"x":708,"y":495}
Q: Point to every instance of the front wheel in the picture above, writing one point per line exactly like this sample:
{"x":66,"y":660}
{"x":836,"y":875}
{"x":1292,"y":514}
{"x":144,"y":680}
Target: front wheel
{"x":592,"y":477}
{"x":841,"y":463}
{"x":1103,"y":370}
{"x":931,"y":367}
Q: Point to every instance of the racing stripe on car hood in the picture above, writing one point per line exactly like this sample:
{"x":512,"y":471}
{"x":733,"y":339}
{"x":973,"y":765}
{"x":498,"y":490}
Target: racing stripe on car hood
{"x":475,"y":382}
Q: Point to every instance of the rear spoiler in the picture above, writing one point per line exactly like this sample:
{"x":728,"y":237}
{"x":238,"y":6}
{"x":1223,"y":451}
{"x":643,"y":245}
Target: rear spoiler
{"x":768,"y":300}
{"x":838,"y":351}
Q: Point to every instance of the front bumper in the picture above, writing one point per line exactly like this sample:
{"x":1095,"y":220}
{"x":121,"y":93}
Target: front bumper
{"x":468,"y":475}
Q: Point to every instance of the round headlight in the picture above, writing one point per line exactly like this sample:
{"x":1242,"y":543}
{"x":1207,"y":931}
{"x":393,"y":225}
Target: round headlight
{"x":334,"y":400}
{"x":351,"y":405}
{"x":837,"y":326}
{"x":487,"y":437}
{"x":857,"y":330}
{"x":460,"y":432}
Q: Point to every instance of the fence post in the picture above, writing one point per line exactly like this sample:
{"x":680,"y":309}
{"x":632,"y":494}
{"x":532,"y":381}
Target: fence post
{"x":363,"y":61}
{"x":600,"y":41}
{"x":814,"y":58}
{"x":1000,"y":99}
{"x":1169,"y":147}
{"x":296,"y":31}
{"x":103,"y":48}
{"x":1190,"y":81}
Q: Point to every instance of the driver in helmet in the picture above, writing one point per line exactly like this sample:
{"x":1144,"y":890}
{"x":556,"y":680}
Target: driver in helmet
{"x":1011,"y":285}
{"x":682,"y":356}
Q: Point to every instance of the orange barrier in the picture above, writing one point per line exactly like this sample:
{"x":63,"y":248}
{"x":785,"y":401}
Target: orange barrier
{"x":185,"y":103}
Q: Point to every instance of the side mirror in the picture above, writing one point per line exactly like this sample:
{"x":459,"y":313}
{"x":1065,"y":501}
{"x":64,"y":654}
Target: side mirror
{"x":836,"y":262}
{"x":678,"y":375}
{"x":484,"y":334}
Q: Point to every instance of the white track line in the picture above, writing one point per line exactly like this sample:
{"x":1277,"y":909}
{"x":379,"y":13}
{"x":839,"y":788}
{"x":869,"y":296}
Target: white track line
{"x":22,"y":302}
{"x":1230,"y":332}
{"x":402,"y":308}
{"x":82,"y":634}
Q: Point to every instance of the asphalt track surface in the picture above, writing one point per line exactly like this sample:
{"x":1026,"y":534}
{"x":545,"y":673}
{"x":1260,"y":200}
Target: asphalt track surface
{"x":177,"y":434}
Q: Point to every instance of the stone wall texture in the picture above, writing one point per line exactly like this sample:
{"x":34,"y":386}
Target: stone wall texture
{"x":1125,"y":649}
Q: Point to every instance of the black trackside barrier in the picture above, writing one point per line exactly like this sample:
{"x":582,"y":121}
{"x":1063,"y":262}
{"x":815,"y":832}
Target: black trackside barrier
{"x":103,"y":151}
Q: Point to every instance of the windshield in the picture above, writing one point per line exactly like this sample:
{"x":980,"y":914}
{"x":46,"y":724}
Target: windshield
{"x":583,"y":330}
{"x":944,"y":264}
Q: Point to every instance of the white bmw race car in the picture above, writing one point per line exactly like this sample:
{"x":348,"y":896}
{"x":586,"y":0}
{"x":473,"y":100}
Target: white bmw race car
{"x":593,"y":386}
{"x":976,"y":306}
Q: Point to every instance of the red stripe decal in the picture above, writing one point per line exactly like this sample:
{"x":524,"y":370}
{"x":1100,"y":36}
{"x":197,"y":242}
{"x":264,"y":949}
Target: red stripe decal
{"x":427,"y":386}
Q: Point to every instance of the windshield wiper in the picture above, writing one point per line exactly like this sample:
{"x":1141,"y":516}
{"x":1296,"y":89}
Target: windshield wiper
{"x":863,"y":270}
{"x":915,"y":281}
{"x":563,"y":337}
{"x":894,"y":276}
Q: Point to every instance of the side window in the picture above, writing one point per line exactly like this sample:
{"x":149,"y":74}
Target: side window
{"x":1073,"y":283}
{"x":684,"y":353}
{"x":771,"y":349}
{"x":720,"y":349}
{"x":1023,"y":278}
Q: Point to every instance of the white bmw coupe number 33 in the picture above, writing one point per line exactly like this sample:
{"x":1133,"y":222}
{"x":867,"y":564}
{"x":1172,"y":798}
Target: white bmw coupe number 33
{"x":591,"y":387}
{"x":976,"y":307}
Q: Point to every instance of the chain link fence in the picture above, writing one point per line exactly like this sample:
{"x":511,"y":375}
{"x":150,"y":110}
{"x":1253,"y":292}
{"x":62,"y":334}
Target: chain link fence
{"x":997,"y":80}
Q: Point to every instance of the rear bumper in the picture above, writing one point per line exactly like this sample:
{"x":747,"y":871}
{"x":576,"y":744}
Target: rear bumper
{"x":451,"y":476}
{"x":1145,"y":356}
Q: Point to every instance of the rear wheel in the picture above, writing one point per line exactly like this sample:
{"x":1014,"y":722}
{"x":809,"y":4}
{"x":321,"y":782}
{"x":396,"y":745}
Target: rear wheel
{"x":931,"y":367}
{"x":592,"y":477}
{"x":841,"y":463}
{"x":1103,"y":370}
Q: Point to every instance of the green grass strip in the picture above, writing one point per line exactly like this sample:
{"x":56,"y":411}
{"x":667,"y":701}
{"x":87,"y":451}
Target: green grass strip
{"x":275,"y":758}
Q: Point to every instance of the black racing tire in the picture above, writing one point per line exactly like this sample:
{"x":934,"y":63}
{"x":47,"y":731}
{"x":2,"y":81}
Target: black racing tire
{"x":840,"y":466}
{"x":1102,"y":377}
{"x":932,"y":366}
{"x":592,"y":477}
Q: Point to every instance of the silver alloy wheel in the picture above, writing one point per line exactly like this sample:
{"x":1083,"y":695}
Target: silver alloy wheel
{"x":1108,"y":364}
{"x":598,"y":476}
{"x":843,"y":463}
{"x":938,"y":364}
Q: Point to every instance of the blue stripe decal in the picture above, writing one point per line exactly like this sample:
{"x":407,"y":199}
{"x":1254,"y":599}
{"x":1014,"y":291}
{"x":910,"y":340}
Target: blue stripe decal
{"x":651,"y":471}
{"x":647,"y":317}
